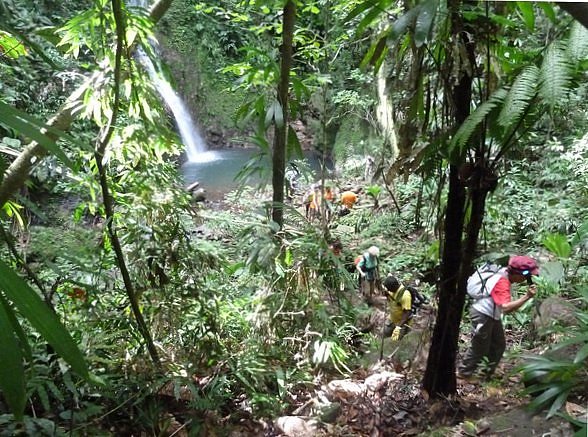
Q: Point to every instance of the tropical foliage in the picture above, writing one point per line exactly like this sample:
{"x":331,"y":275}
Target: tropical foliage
{"x":121,"y":297}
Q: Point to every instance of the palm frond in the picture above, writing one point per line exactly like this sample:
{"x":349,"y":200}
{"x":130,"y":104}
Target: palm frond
{"x":555,"y":76}
{"x":519,"y":96}
{"x":469,"y":126}
{"x":577,"y":49}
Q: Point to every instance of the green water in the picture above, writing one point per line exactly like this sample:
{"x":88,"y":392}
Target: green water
{"x":216,"y":170}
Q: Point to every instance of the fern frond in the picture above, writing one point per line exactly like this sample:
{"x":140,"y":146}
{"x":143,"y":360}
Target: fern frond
{"x":577,"y":49}
{"x":471,"y":123}
{"x":556,"y":75}
{"x":519,"y":96}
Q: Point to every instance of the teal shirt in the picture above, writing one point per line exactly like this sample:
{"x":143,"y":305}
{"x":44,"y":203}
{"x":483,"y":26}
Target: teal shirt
{"x":368,"y":261}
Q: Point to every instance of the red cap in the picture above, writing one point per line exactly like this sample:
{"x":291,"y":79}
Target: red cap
{"x":522,"y":264}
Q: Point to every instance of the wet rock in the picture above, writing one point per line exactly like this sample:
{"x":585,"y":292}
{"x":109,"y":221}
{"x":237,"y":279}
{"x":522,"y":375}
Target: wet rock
{"x":344,"y":389}
{"x":294,"y":426}
{"x":199,"y":195}
{"x":190,"y":188}
{"x":375,"y":382}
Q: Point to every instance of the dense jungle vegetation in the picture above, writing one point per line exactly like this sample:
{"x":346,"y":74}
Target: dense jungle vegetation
{"x":128,"y":308}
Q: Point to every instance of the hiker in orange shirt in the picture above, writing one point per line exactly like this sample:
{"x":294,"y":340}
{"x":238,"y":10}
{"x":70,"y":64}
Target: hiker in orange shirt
{"x":348,"y":200}
{"x":311,"y":202}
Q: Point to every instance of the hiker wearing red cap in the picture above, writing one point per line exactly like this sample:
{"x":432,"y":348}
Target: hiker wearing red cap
{"x":488,"y":339}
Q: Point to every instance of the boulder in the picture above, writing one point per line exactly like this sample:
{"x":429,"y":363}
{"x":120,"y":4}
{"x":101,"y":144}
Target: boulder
{"x":294,"y":426}
{"x":199,"y":195}
{"x":344,"y":389}
{"x":554,"y":311}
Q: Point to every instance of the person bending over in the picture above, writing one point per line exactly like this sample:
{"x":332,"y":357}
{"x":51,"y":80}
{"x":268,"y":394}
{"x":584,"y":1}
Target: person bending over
{"x":488,"y":340}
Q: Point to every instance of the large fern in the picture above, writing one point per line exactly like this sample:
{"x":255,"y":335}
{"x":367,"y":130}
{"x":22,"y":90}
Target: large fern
{"x":519,"y":97}
{"x":469,"y":126}
{"x":577,"y":49}
{"x":549,"y":83}
{"x":555,"y":75}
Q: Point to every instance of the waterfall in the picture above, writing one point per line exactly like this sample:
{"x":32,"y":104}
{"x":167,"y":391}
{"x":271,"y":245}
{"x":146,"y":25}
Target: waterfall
{"x":189,"y":133}
{"x":196,"y":150}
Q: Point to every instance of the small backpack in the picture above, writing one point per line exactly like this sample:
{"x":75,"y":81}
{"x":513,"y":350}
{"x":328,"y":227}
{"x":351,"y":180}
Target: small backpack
{"x":483,"y":280}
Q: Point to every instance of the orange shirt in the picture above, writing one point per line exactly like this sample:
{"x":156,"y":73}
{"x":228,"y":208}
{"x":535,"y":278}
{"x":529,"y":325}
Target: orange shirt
{"x":348,"y":198}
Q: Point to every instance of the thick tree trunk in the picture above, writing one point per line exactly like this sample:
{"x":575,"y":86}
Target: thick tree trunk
{"x":439,"y":379}
{"x":18,"y":172}
{"x":439,"y":376}
{"x":279,"y":154}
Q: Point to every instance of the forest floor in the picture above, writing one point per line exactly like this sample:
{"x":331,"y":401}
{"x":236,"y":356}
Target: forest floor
{"x":384,"y":398}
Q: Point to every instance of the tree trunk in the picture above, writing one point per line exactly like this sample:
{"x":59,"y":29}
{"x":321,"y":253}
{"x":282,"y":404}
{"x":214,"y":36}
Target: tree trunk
{"x":18,"y":172}
{"x":439,"y":376}
{"x":439,"y":379}
{"x":279,"y":155}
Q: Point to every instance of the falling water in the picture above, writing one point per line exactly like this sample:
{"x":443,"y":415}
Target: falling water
{"x":196,"y":149}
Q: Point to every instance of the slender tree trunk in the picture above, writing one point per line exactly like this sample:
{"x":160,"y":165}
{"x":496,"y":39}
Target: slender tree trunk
{"x":107,"y":197}
{"x":18,"y":172}
{"x":279,"y":155}
{"x":439,"y":378}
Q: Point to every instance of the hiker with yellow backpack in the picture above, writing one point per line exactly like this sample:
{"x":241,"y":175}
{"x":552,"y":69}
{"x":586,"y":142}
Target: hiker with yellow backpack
{"x":400,"y":304}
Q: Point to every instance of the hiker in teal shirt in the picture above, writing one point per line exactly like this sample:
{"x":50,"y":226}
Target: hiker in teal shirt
{"x":368,"y":271}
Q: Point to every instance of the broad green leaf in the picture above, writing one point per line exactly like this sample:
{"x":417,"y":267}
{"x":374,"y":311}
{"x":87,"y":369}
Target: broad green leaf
{"x":424,"y":21}
{"x":11,"y":47}
{"x":558,"y":245}
{"x":380,"y":60}
{"x":360,"y":9}
{"x":557,"y":404}
{"x":31,"y":127}
{"x":293,"y":149}
{"x":544,"y":397}
{"x":401,"y":25}
{"x":269,"y":114}
{"x":369,"y":18}
{"x":12,"y":380}
{"x":40,"y":316}
{"x":548,"y":9}
{"x":278,"y":114}
{"x":581,"y":355}
{"x":17,"y":329}
{"x":376,"y":50}
{"x":528,"y":14}
{"x":552,"y":271}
